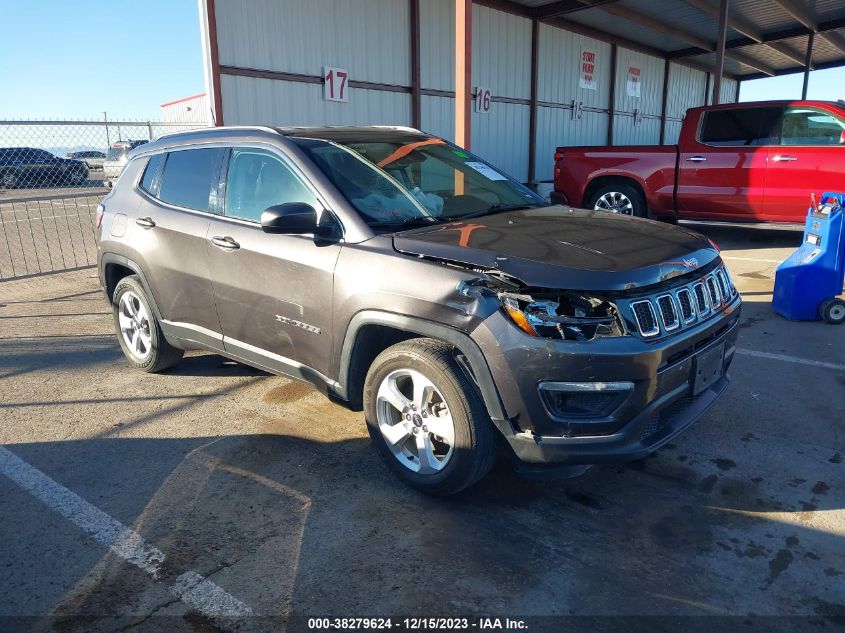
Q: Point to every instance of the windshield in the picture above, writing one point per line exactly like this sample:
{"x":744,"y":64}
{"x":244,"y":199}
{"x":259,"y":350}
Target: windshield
{"x":410,"y":181}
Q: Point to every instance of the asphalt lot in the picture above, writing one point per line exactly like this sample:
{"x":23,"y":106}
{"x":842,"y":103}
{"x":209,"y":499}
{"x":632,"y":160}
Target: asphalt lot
{"x":252,"y":491}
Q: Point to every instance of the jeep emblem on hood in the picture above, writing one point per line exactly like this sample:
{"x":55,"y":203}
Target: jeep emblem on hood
{"x":691,"y":262}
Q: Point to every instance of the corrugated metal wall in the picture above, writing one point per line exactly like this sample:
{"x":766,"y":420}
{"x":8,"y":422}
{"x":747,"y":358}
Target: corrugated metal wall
{"x":247,"y":100}
{"x":727,"y":90}
{"x":189,"y":110}
{"x":370,"y":39}
{"x":501,"y":62}
{"x":686,"y":90}
{"x":644,"y":129}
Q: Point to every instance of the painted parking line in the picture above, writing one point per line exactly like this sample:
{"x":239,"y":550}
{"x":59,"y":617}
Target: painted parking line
{"x":193,"y":589}
{"x":790,"y":359}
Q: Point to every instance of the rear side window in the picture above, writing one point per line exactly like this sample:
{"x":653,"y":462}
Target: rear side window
{"x":741,"y":127}
{"x":258,"y":179}
{"x":188,"y":177}
{"x":149,"y":181}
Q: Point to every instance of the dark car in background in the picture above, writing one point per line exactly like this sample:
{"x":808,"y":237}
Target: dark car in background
{"x":116,"y":160}
{"x":92,"y":158}
{"x":34,"y":167}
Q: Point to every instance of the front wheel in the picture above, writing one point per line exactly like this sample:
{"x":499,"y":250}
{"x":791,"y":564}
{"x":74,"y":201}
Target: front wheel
{"x":138,"y":330}
{"x":618,"y":197}
{"x":426,"y":418}
{"x":833,"y":311}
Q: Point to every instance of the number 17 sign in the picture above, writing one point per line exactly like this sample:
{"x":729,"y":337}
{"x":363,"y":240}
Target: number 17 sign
{"x":335,"y":84}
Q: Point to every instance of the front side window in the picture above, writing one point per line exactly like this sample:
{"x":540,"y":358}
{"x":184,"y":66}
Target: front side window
{"x":807,"y":126}
{"x":399,"y":181}
{"x":188,"y":177}
{"x":740,"y":127}
{"x":258,"y":179}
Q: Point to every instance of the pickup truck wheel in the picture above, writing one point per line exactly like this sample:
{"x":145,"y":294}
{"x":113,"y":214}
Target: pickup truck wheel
{"x":426,"y":418}
{"x":618,"y":198}
{"x":138,"y":330}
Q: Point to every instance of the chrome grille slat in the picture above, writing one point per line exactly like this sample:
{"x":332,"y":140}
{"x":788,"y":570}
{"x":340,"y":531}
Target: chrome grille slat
{"x":687,"y":309}
{"x":713,"y":291}
{"x":645,"y":317}
{"x":701,"y":303}
{"x":668,"y":312}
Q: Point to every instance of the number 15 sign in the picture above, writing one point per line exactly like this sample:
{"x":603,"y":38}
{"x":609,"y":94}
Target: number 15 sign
{"x":335,"y":85}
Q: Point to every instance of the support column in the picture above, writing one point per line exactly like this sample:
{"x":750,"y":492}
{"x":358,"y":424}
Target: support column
{"x":720,"y":51}
{"x":665,"y":103}
{"x":611,"y":108}
{"x":463,"y":72}
{"x":808,"y":62}
{"x":416,"y":88}
{"x":532,"y":115}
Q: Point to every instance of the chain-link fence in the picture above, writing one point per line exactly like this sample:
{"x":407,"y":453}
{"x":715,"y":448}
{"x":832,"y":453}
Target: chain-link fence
{"x":52,"y":176}
{"x":38,"y":155}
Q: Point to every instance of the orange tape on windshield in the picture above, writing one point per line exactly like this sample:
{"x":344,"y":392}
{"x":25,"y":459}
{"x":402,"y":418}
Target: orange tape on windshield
{"x":407,"y":149}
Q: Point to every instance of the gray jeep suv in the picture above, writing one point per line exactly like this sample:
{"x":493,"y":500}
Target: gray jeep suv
{"x":404,"y":276}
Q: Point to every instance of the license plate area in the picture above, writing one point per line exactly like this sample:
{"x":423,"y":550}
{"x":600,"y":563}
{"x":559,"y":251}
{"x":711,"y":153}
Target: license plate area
{"x":707,"y":368}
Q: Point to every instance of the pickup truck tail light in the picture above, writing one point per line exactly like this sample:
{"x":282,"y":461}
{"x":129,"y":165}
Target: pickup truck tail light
{"x":558,"y":156}
{"x":99,"y":217}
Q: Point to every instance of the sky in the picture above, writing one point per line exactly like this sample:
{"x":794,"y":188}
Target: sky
{"x":77,"y":58}
{"x":826,"y":85}
{"x":62,"y":59}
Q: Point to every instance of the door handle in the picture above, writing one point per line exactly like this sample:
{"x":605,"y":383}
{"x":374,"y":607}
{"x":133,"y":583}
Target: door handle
{"x":696,"y":159}
{"x":146,"y":223}
{"x":226,"y":243}
{"x":784,"y":159}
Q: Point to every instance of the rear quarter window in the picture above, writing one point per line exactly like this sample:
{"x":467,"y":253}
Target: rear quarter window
{"x":188,"y":177}
{"x":150,"y":179}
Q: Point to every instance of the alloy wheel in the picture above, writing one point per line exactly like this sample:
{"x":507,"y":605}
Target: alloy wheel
{"x":134,"y":325}
{"x":615,"y":202}
{"x":415,"y":421}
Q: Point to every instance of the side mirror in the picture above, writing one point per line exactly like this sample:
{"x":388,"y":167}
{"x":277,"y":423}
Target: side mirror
{"x":291,"y":218}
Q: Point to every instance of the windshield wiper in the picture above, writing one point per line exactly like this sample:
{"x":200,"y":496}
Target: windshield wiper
{"x":493,"y":208}
{"x":422,"y":220}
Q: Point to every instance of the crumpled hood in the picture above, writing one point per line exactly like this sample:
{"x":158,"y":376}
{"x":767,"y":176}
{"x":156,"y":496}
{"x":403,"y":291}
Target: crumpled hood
{"x":563,"y":248}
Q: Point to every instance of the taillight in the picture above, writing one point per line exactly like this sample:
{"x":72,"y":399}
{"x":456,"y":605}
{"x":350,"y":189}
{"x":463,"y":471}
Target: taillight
{"x":99,"y":217}
{"x":714,"y":245}
{"x":559,"y":155}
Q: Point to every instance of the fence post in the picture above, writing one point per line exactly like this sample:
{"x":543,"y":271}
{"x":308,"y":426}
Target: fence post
{"x":150,"y":130}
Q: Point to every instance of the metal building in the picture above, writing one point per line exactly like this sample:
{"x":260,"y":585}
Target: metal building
{"x":193,"y":109}
{"x":511,"y":79}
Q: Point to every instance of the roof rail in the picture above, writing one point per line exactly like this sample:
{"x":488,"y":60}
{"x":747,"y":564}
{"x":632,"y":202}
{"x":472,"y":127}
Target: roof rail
{"x":224,"y":128}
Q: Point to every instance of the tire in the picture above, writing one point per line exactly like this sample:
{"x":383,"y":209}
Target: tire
{"x":78,"y":177}
{"x":9,"y":179}
{"x":473,"y":449}
{"x":833,"y":311}
{"x":148,"y":350}
{"x":618,"y":197}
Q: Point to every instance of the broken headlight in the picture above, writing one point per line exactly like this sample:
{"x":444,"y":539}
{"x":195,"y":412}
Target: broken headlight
{"x":568,"y":316}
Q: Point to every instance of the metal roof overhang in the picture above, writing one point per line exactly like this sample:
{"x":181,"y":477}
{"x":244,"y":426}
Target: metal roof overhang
{"x":762,"y":38}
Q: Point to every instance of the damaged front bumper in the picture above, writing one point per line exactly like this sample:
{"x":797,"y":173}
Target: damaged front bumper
{"x":660,"y":391}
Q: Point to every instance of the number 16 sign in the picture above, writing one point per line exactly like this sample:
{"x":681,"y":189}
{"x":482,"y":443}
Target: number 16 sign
{"x":335,"y":84}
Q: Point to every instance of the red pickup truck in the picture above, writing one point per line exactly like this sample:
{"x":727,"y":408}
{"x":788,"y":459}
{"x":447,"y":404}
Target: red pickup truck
{"x":739,"y":162}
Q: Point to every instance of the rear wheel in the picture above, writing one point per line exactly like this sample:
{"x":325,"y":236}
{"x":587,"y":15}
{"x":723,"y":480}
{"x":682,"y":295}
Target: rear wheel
{"x":618,"y":197}
{"x":833,"y":311}
{"x":427,"y":419}
{"x":138,"y":330}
